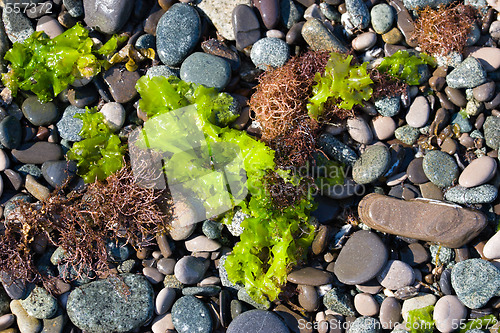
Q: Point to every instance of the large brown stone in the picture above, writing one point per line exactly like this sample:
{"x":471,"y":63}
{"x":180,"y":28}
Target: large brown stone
{"x":428,"y":220}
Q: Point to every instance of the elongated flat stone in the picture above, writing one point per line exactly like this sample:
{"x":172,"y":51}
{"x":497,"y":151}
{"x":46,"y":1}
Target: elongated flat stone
{"x":428,"y":220}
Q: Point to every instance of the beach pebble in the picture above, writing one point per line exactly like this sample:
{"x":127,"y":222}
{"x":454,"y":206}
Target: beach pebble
{"x":177,"y":33}
{"x":17,"y":26}
{"x":390,"y":312}
{"x":475,"y":281}
{"x":407,"y":134}
{"x":290,"y":13}
{"x":189,"y":270}
{"x":310,"y":277}
{"x":339,"y":301}
{"x":364,"y":41}
{"x":365,"y":325}
{"x":246,"y":26}
{"x":359,"y":130}
{"x":38,"y":153}
{"x":491,"y":249}
{"x":308,"y":298}
{"x":368,"y":252}
{"x":484,"y":92}
{"x":358,"y":13}
{"x":40,"y":304}
{"x":382,"y":18}
{"x":121,"y":83}
{"x":475,"y":195}
{"x":38,"y":113}
{"x":206,"y":69}
{"x":448,"y":312}
{"x":101,"y":306}
{"x":201,"y":244}
{"x":489,"y":57}
{"x":10,"y":132}
{"x":491,"y":129}
{"x":269,"y":52}
{"x":383,"y":127}
{"x":478,"y":172}
{"x":336,"y":149}
{"x":419,"y":111}
{"x":69,"y":127}
{"x":463,"y":123}
{"x":189,"y":314}
{"x":25,"y":322}
{"x":468,"y":74}
{"x":107,"y":16}
{"x":114,"y":115}
{"x":57,"y":173}
{"x":366,"y":305}
{"x":164,"y":300}
{"x":257,"y":321}
{"x":396,"y":274}
{"x":417,"y":303}
{"x":440,"y":168}
{"x":372,"y":164}
{"x":219,"y":13}
{"x":319,"y":37}
{"x":388,"y":106}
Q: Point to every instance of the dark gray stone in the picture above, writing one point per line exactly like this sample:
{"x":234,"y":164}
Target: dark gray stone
{"x":475,"y":281}
{"x":11,"y":132}
{"x":38,"y":153}
{"x":57,"y":173}
{"x":207,"y":291}
{"x":112,"y":305}
{"x":177,"y":33}
{"x":336,"y":149}
{"x":290,"y":12}
{"x":38,"y":113}
{"x":83,"y":96}
{"x":121,"y":84}
{"x":257,"y":321}
{"x":206,"y":69}
{"x":189,"y":315}
{"x":17,"y":26}
{"x":107,"y":16}
{"x":74,"y":7}
{"x":246,"y":26}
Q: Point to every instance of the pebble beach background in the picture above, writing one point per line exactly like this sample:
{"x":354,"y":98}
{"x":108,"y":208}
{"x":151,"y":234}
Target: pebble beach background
{"x":362,"y":278}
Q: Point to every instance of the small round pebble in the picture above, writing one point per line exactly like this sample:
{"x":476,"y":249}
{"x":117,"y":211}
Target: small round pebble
{"x":272,"y":52}
{"x":189,"y":270}
{"x":396,"y":274}
{"x":440,"y":168}
{"x":189,"y":314}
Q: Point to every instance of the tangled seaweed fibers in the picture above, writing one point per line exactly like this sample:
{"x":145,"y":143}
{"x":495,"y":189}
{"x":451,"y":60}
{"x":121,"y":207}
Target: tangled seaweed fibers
{"x":82,"y":224}
{"x":444,"y":30}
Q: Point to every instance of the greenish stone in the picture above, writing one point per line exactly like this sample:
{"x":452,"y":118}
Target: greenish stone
{"x":407,"y":134}
{"x":40,"y":304}
{"x":440,"y":168}
{"x":371,"y":165}
{"x":38,"y":113}
{"x":339,"y":301}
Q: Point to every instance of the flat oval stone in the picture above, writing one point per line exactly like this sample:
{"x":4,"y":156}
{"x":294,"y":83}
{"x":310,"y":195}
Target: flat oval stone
{"x":491,"y":249}
{"x":366,"y":305}
{"x":367,"y":251}
{"x":269,"y":52}
{"x":257,"y":321}
{"x":11,"y":133}
{"x":390,"y":313}
{"x":40,"y":304}
{"x":121,"y":84}
{"x":38,"y":113}
{"x":219,"y":13}
{"x":25,"y":322}
{"x":475,"y":282}
{"x":372,"y":164}
{"x":491,"y":129}
{"x":310,"y":277}
{"x":206,"y":69}
{"x":364,"y":41}
{"x":107,"y":16}
{"x":359,"y":130}
{"x":478,"y":172}
{"x":383,"y":127}
{"x":484,"y":92}
{"x":308,"y":298}
{"x":201,"y":244}
{"x":270,"y":12}
{"x":440,"y":168}
{"x":421,"y":301}
{"x":189,"y":270}
{"x":475,"y":195}
{"x":418,"y":115}
{"x":358,"y":13}
{"x":416,"y":173}
{"x":164,"y":300}
{"x":319,"y":37}
{"x":177,"y":33}
{"x":382,"y":18}
{"x":396,"y":274}
{"x":189,"y":314}
{"x":448,"y":312}
{"x":428,"y":220}
{"x":102,"y":307}
{"x":57,"y":173}
{"x":38,"y":153}
{"x":246,"y":26}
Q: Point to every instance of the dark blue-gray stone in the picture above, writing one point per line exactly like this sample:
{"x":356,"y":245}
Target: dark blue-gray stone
{"x":464,"y":123}
{"x":339,"y":301}
{"x":206,"y":69}
{"x":74,"y":7}
{"x":11,"y":133}
{"x":257,"y":321}
{"x":38,"y":153}
{"x":40,"y":304}
{"x":475,"y":282}
{"x":190,"y":315}
{"x":407,"y":134}
{"x":365,"y":325}
{"x":372,"y":164}
{"x":208,"y":291}
{"x":14,"y":202}
{"x":445,"y":282}
{"x":414,"y":4}
{"x":475,"y":195}
{"x":358,"y":12}
{"x":107,"y":16}
{"x":69,"y":126}
{"x":388,"y":106}
{"x":146,"y":41}
{"x":118,"y":251}
{"x":440,"y":168}
{"x":330,"y":12}
{"x":468,"y":74}
{"x":290,"y":12}
{"x":177,"y":33}
{"x":212,"y":229}
{"x":336,"y":149}
{"x":491,"y":128}
{"x":382,"y":17}
{"x":162,"y":70}
{"x":57,"y":173}
{"x":112,"y":305}
{"x":269,"y":52}
{"x":38,"y":113}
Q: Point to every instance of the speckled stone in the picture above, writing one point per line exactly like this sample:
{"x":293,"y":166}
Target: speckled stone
{"x":269,"y":52}
{"x":407,"y":134}
{"x":206,"y":69}
{"x":491,"y":129}
{"x":336,"y":149}
{"x":177,"y":33}
{"x":371,"y":164}
{"x":40,"y":304}
{"x":257,"y":321}
{"x":358,"y":13}
{"x":69,"y":126}
{"x":468,"y":74}
{"x":463,"y":123}
{"x":74,"y":7}
{"x":365,"y":325}
{"x":388,"y":106}
{"x":101,"y":306}
{"x":212,"y":229}
{"x":414,"y":4}
{"x":17,"y":26}
{"x":189,"y":315}
{"x":339,"y":301}
{"x":290,"y":13}
{"x":382,"y":17}
{"x":107,"y":16}
{"x":475,"y":281}
{"x":162,"y":70}
{"x":207,"y":291}
{"x":440,"y":168}
{"x":441,"y":255}
{"x":319,"y":37}
{"x":368,"y":252}
{"x":475,"y":195}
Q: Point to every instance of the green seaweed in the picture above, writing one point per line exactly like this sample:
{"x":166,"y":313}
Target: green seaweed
{"x":405,"y":66}
{"x":421,"y":320}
